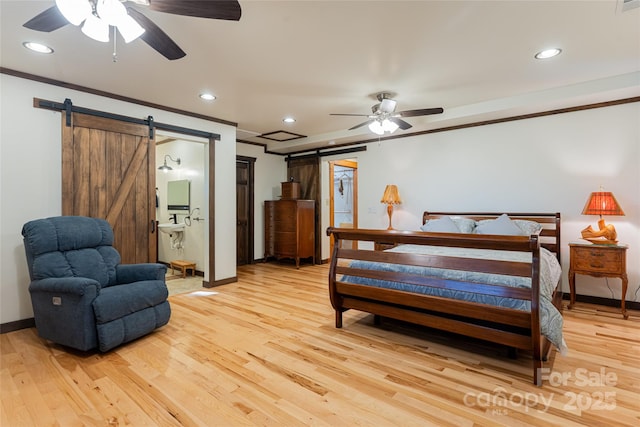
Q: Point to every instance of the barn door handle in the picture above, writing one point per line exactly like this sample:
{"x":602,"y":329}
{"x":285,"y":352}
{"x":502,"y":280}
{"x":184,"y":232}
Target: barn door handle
{"x":153,"y":226}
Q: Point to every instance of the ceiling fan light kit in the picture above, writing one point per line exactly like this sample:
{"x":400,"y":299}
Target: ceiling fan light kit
{"x":75,"y":11}
{"x":379,"y":127}
{"x":130,"y":29}
{"x":98,"y":15}
{"x":96,"y":29}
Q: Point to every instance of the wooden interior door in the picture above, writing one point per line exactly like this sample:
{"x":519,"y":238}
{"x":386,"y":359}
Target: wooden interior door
{"x":108,"y":171}
{"x":244,"y":210}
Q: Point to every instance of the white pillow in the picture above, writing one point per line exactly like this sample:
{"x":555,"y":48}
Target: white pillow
{"x":501,"y":225}
{"x":528,"y":227}
{"x":465,"y":225}
{"x":440,"y":225}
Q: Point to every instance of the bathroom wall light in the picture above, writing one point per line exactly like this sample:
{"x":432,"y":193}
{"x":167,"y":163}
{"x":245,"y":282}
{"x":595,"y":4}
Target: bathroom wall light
{"x":289,"y":120}
{"x":166,"y":168}
{"x":207,"y":96}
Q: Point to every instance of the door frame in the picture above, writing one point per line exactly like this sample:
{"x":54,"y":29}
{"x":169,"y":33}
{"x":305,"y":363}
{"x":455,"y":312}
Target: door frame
{"x":349,"y":164}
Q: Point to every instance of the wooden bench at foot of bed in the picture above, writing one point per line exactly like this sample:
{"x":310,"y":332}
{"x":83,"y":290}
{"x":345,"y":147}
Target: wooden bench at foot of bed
{"x":514,"y":328}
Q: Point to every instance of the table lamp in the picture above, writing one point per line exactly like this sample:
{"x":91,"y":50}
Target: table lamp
{"x":601,"y":203}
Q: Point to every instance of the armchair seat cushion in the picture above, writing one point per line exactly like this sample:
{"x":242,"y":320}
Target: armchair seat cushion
{"x":119,"y":301}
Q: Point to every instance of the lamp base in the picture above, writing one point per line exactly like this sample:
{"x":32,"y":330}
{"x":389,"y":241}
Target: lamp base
{"x":390,"y":213}
{"x":606,"y":235}
{"x":602,"y":241}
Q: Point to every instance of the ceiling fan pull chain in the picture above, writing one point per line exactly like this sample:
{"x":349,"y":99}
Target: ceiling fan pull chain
{"x":115,"y":55}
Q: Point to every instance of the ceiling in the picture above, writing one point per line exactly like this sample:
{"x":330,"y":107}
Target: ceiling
{"x":308,"y":59}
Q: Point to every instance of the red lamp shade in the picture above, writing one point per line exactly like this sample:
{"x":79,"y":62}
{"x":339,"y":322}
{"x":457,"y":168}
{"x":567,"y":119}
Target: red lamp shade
{"x":602,"y":203}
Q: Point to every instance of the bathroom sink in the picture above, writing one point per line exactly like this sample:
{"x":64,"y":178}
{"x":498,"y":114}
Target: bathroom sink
{"x":171,"y":227}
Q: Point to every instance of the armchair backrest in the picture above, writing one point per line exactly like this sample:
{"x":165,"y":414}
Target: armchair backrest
{"x":71,"y":246}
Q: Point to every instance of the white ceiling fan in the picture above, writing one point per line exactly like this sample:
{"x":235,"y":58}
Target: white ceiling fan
{"x":384,"y":117}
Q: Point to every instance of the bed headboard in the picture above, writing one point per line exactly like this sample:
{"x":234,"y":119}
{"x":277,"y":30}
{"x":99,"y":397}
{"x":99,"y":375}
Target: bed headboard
{"x":550,"y":234}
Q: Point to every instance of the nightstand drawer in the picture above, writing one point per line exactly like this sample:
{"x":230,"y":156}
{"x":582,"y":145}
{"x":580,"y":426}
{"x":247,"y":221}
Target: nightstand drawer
{"x":597,"y":260}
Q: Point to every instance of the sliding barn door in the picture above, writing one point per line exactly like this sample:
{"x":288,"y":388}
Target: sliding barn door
{"x":108,"y":172}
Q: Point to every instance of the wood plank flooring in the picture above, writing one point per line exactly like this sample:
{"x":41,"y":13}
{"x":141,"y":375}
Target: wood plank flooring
{"x":264,"y":351}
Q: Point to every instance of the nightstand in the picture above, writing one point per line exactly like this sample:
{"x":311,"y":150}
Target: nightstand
{"x":598,"y":261}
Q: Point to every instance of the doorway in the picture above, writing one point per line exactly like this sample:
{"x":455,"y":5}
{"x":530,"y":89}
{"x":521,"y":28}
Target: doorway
{"x":189,"y":158}
{"x":343,"y":195}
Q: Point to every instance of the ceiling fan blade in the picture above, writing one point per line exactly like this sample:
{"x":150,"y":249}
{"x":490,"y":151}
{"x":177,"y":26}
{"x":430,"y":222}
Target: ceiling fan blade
{"x":212,"y":9}
{"x":155,"y":37}
{"x":47,"y":21}
{"x":362,"y":124}
{"x":401,"y":123}
{"x":422,"y":112}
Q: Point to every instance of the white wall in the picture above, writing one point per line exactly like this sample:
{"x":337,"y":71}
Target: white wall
{"x":270,"y":171}
{"x":30,"y":177}
{"x":546,"y":164}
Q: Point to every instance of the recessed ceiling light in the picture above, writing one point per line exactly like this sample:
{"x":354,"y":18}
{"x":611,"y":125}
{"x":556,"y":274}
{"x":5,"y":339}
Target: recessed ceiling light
{"x":207,"y":96}
{"x":37,"y":47}
{"x":289,"y":120}
{"x":548,"y":53}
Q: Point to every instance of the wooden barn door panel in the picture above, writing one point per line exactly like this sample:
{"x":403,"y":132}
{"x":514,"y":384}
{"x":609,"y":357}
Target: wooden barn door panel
{"x":108,"y":172}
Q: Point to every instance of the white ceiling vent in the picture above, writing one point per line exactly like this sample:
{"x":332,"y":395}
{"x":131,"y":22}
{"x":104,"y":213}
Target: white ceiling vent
{"x":626,"y":5}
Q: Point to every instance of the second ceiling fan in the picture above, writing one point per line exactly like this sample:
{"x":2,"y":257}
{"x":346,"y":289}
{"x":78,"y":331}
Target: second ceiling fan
{"x":91,"y":13}
{"x":384,"y":117}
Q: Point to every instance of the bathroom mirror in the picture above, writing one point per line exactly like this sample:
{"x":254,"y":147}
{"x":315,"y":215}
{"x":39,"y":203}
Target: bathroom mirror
{"x":178,"y":195}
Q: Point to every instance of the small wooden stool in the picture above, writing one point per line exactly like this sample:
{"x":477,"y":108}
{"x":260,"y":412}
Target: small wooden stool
{"x":184,"y":266}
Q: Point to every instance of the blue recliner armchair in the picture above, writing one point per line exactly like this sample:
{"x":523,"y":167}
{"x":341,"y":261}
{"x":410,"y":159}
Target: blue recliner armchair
{"x":82,"y":296}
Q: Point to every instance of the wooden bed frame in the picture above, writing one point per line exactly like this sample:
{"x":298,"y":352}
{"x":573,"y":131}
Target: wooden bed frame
{"x":510,"y":327}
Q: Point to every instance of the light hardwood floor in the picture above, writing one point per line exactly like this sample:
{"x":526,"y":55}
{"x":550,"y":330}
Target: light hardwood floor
{"x":264,"y":351}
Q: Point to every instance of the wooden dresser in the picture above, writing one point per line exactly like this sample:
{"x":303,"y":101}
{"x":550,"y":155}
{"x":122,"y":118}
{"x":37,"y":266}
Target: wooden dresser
{"x":289,"y":226}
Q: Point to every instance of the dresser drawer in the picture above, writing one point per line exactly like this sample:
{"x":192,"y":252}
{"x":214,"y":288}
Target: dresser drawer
{"x":597,"y":260}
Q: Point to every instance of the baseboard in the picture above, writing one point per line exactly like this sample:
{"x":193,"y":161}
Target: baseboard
{"x":608,"y":302}
{"x":220,"y":282}
{"x":17,"y":325}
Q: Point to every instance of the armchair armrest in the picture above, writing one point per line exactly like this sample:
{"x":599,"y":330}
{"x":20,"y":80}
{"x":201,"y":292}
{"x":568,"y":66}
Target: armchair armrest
{"x":129,"y":273}
{"x":66,"y":285}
